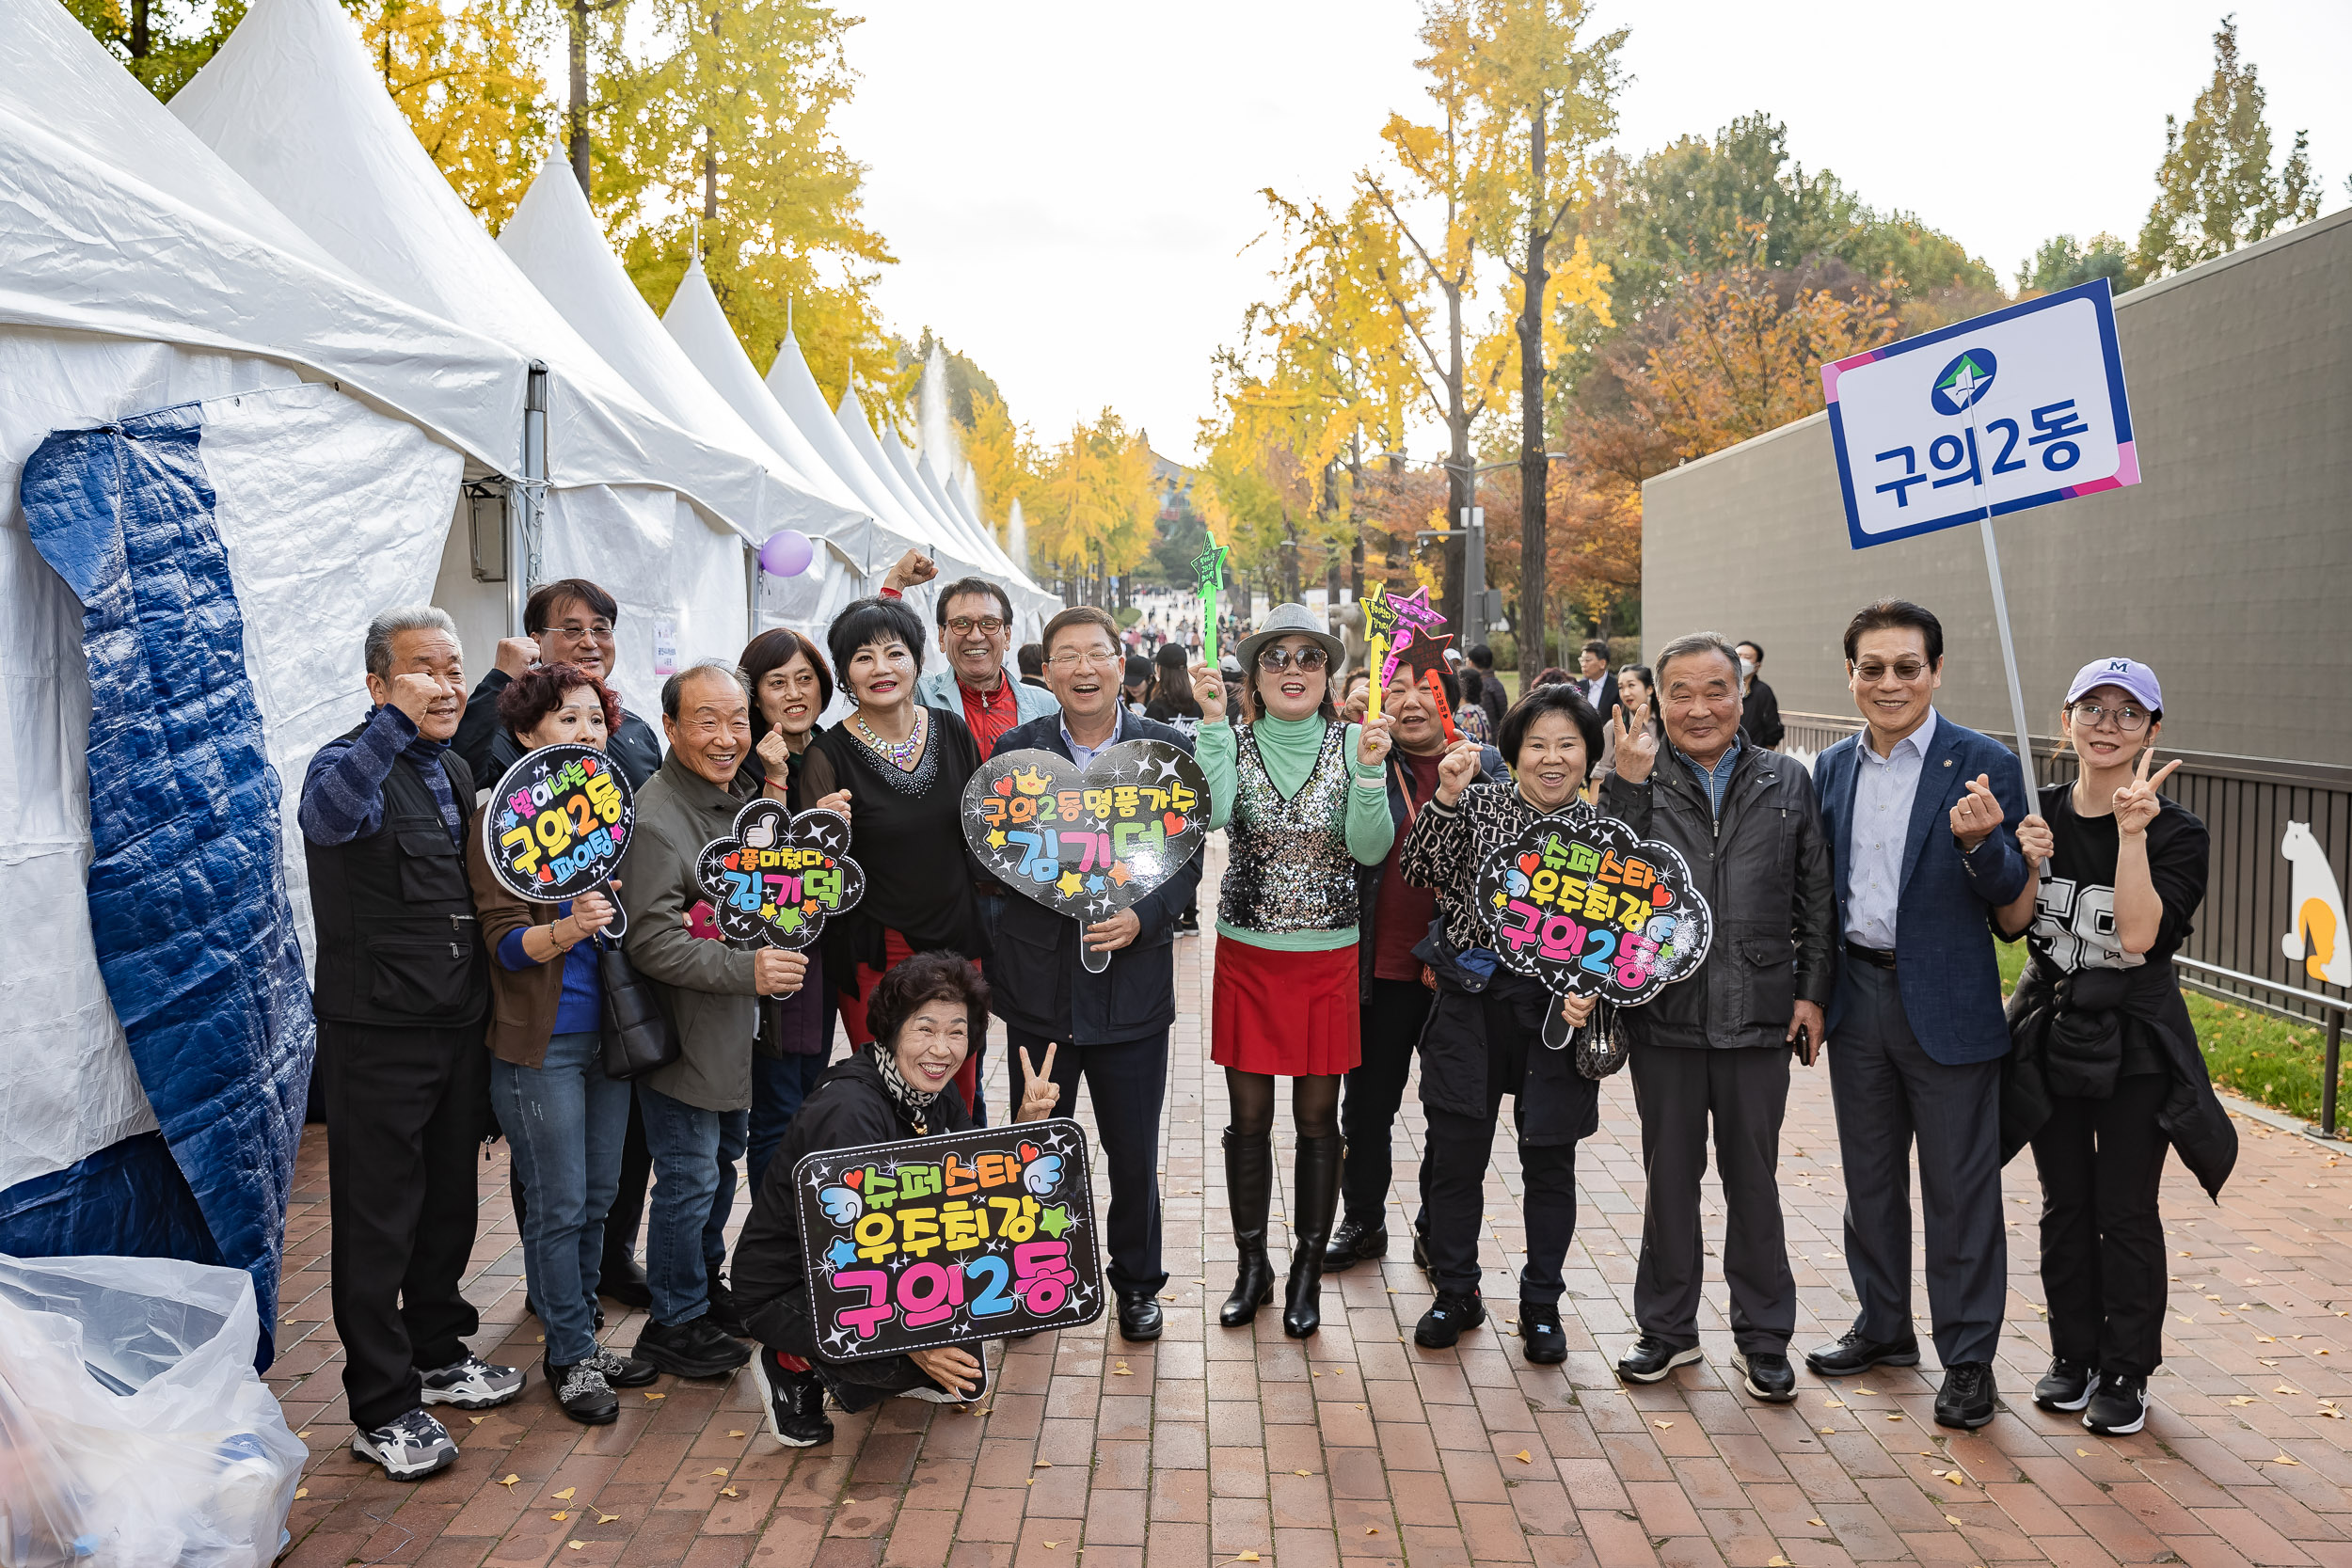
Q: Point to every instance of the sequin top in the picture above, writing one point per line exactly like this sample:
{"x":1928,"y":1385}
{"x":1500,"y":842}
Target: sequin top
{"x":1290,"y":869}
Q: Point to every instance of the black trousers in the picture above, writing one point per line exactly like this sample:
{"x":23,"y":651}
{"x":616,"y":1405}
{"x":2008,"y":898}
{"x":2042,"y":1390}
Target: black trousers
{"x":1128,"y":1084}
{"x":1453,"y":1176}
{"x":1393,"y":1021}
{"x":628,"y":1205}
{"x":406,"y":1112}
{"x":2101,"y":1163}
{"x":1888,"y":1092}
{"x":1746,"y":1092}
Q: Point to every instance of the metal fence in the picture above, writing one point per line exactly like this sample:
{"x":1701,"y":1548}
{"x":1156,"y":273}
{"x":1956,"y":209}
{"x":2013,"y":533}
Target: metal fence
{"x":2237,"y":945}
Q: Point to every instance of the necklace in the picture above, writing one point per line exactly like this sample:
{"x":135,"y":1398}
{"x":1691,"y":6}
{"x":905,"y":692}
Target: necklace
{"x":901,"y":752}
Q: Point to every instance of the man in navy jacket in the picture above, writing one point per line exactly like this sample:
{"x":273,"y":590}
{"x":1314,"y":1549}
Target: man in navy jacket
{"x":1112,"y":1027}
{"x":1915,"y":1029}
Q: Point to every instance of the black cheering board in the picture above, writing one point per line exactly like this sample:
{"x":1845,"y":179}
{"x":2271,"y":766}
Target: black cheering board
{"x":558,"y":823}
{"x":950,"y":1240}
{"x":778,"y":877}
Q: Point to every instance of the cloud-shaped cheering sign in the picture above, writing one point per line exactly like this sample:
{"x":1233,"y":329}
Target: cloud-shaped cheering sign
{"x":780,"y":875}
{"x":1590,"y":909}
{"x":1088,"y":842}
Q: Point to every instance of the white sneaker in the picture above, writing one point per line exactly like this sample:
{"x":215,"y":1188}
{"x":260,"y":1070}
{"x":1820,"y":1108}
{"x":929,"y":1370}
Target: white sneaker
{"x":472,"y":1384}
{"x":409,"y":1448}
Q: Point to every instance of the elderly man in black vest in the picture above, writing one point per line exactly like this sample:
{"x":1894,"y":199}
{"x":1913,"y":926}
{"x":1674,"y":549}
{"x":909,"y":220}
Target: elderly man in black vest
{"x":402,"y":991}
{"x":1110,"y":1028}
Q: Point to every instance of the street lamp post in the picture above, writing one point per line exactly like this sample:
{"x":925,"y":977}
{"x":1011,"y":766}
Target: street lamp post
{"x":1479,"y":609}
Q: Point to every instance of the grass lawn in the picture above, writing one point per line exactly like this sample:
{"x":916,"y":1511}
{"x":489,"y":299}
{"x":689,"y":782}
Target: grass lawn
{"x":2250,"y":1053}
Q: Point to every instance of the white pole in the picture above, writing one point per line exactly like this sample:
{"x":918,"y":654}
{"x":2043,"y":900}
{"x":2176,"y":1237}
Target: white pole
{"x":2009,"y":659}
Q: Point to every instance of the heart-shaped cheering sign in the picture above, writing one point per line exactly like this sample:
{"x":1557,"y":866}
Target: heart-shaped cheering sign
{"x":1088,"y":842}
{"x":780,"y":875}
{"x":1590,"y":909}
{"x":558,"y":823}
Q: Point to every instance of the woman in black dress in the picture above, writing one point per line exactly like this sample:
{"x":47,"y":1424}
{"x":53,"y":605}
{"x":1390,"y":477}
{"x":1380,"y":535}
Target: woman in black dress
{"x":904,"y":766}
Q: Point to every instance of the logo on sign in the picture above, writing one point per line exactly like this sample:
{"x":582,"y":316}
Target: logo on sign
{"x":1964,"y":382}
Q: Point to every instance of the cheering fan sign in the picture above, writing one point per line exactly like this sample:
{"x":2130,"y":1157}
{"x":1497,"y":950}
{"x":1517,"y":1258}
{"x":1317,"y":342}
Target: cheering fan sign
{"x":780,"y":876}
{"x":1088,"y":842}
{"x":1591,"y":909}
{"x":558,"y":823}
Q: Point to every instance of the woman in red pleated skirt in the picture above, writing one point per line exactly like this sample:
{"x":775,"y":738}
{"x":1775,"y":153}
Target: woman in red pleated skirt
{"x":1303,"y":799}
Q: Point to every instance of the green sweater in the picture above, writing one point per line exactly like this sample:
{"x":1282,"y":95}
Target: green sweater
{"x":1289,"y":747}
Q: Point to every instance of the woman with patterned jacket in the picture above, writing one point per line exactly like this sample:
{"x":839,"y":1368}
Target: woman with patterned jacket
{"x":1484,"y":1034}
{"x":1303,"y":798}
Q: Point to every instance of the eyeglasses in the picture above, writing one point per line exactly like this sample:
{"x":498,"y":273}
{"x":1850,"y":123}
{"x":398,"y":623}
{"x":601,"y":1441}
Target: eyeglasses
{"x":962,"y":625}
{"x":2130,"y":721}
{"x":599,"y":630}
{"x":1905,"y":671}
{"x":1310,"y":659}
{"x":1068,"y":659}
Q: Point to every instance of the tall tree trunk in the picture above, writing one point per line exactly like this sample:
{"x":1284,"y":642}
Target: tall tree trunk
{"x":1533,"y":615}
{"x":710,"y":180}
{"x":1356,"y":473}
{"x":576,"y":24}
{"x":142,"y":36}
{"x":1461,"y":482}
{"x":1290,"y":558}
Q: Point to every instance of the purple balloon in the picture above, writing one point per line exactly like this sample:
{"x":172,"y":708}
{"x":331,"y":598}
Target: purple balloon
{"x":787,"y":554}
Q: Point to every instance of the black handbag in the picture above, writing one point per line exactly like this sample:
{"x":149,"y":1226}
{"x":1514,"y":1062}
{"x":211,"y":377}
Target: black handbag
{"x":638,"y":1034}
{"x":1601,"y":1045}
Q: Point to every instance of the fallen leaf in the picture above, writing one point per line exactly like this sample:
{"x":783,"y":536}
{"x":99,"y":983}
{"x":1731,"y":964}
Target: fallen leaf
{"x":1031,"y":1482}
{"x":509,"y":1480}
{"x":2085,"y":1454}
{"x":1955,"y":1477}
{"x":302,"y":1434}
{"x":1777,"y":1562}
{"x":2265,"y":1338}
{"x":2331,"y":1413}
{"x":1041,"y":1464}
{"x":1896,"y":1416}
{"x":737,"y":1434}
{"x":1245,"y":1557}
{"x":729,"y":1492}
{"x":1834,"y":1405}
{"x":574,"y":1546}
{"x":2282,"y":1388}
{"x":1372,"y":1530}
{"x":721,"y":1472}
{"x":1823,"y":1525}
{"x":1826,"y":1431}
{"x":606,"y":1518}
{"x":559,"y":1517}
{"x":1051,"y":1545}
{"x":649,"y":1394}
{"x":1302,"y":1472}
{"x":569,"y":1492}
{"x":1951,"y":1518}
{"x":1662,"y":1425}
{"x":1524,"y":1457}
{"x":300,"y":1493}
{"x":2243,"y":1399}
{"x":1360,"y":1407}
{"x":1873,"y":1392}
{"x":2283,"y":1459}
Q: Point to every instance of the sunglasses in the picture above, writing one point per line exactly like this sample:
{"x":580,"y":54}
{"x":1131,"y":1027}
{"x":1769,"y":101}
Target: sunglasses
{"x":1310,"y":659}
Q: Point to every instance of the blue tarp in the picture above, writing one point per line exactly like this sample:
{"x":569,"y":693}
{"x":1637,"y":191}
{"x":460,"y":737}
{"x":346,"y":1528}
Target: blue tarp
{"x":187,"y":892}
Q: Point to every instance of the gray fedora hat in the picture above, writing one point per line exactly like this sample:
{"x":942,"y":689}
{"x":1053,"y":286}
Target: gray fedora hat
{"x":1294,"y":619}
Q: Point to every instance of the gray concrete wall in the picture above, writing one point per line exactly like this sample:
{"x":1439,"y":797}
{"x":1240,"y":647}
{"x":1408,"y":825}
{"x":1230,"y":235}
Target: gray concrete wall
{"x":2228,"y":568}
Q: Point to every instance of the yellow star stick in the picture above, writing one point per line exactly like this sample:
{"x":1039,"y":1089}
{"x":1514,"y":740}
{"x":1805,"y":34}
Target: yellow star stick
{"x":1378,"y":650}
{"x":1379,"y":621}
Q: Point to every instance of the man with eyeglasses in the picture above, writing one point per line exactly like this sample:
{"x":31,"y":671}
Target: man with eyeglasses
{"x":566,"y":622}
{"x":976,"y":633}
{"x":1111,"y":1029}
{"x":1915,"y":1017}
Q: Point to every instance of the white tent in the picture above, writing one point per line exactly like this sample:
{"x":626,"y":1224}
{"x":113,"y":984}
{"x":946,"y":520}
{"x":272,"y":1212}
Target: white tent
{"x":635,"y":501}
{"x":269,"y":450}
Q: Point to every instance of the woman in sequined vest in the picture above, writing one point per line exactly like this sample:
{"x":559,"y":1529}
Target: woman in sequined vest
{"x":1303,"y":798}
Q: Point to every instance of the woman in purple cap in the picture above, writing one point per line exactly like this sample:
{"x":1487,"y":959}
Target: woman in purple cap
{"x":2104,"y":1072}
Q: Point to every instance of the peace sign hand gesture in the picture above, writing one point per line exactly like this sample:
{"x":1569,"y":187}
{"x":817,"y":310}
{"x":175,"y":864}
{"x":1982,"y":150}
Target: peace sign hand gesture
{"x":1637,"y":744}
{"x":1038,"y":1092}
{"x":2137,"y":804}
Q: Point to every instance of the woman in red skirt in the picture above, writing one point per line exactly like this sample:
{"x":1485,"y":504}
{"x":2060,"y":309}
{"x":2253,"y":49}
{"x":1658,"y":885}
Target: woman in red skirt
{"x":1303,"y":799}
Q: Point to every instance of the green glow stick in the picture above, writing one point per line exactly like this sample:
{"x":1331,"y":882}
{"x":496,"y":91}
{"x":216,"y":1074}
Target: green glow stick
{"x":1209,"y":567}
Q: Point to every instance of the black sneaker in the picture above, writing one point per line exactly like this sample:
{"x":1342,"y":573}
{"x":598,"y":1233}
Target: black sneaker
{"x":1355,"y":1241}
{"x":410,"y":1446}
{"x":1544,"y":1341}
{"x":585,"y":1395}
{"x":472,"y":1384}
{"x":620,"y":1280}
{"x":1854,"y":1355}
{"x":1421,"y":1252}
{"x":724,"y":1316}
{"x":1968,"y":1398}
{"x":795,"y":1402}
{"x":623,"y":1372}
{"x":1447,"y":1317}
{"x":1651,"y":1358}
{"x":2066,"y":1385}
{"x":1766,"y":1376}
{"x":2119,"y":1407}
{"x":693,"y":1348}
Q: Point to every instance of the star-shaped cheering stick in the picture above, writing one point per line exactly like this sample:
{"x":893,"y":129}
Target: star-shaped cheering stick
{"x":1379,"y":624}
{"x":1413,"y":614}
{"x":1209,"y":568}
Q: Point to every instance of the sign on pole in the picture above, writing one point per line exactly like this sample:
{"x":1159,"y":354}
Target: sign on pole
{"x":2016,"y":409}
{"x":1996,"y":414}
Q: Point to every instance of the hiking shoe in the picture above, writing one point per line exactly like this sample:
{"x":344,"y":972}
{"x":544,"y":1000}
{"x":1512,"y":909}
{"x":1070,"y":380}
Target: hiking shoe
{"x":1447,"y":1317}
{"x":1651,"y":1358}
{"x":1355,"y":1241}
{"x":696,"y":1348}
{"x":622,"y":1371}
{"x":1968,"y":1398}
{"x":1544,"y":1341}
{"x":794,"y":1401}
{"x":1853,"y":1354}
{"x":409,"y":1448}
{"x":585,"y":1395}
{"x":2066,"y":1385}
{"x":472,"y":1384}
{"x":1766,"y":1376}
{"x":2119,"y":1407}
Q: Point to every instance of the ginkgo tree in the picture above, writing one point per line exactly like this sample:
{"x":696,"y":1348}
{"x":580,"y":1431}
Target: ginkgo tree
{"x":1092,"y":508}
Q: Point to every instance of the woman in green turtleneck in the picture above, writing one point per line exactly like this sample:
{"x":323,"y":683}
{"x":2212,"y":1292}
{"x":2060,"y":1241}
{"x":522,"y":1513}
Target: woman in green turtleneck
{"x":1303,"y":799}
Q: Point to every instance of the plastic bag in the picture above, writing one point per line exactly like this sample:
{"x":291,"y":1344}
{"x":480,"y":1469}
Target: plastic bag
{"x":133,"y":1432}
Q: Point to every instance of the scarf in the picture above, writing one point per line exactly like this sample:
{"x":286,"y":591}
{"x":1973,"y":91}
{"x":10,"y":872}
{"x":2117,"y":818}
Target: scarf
{"x":913,"y":1101}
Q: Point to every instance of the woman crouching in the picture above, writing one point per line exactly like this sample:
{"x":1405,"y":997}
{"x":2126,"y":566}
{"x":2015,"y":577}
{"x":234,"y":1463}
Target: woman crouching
{"x":925,"y":1015}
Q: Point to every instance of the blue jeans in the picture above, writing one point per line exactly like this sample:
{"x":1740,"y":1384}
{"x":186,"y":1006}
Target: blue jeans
{"x":564,"y":1121}
{"x":779,"y":1085}
{"x":694,"y":1152}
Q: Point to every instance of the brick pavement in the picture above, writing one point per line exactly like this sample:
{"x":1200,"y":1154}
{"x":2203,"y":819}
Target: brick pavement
{"x":1357,"y":1449}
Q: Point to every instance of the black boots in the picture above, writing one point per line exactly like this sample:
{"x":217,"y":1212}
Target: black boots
{"x":1249,"y":1178}
{"x":1318,"y":1178}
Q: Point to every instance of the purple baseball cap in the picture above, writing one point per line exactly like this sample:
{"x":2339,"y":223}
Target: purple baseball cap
{"x":2129,"y":673}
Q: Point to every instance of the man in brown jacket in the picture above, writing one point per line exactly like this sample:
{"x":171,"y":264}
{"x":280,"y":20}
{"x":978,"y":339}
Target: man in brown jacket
{"x":697,"y":1109}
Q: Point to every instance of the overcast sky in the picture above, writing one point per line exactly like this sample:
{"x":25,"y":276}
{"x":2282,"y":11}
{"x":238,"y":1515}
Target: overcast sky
{"x":1069,"y":188}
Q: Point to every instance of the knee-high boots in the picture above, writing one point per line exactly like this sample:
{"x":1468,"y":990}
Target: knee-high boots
{"x":1318,"y":1188}
{"x":1248,"y":1179}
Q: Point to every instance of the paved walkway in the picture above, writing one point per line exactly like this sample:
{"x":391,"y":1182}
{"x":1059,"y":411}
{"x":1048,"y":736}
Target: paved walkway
{"x":1217,"y":1446}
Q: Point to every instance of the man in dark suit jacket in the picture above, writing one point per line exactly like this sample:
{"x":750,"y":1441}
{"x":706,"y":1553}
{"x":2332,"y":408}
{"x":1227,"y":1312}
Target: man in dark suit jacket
{"x":1111,"y":1027}
{"x":1916,"y":1026}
